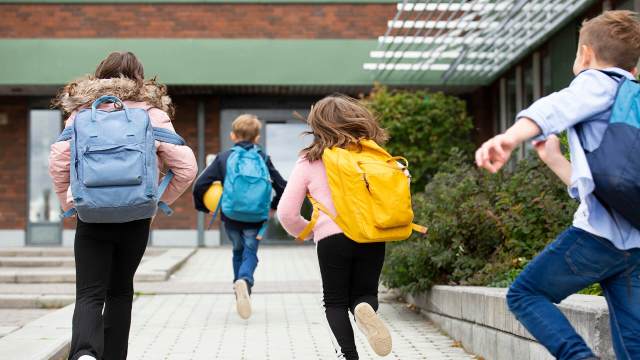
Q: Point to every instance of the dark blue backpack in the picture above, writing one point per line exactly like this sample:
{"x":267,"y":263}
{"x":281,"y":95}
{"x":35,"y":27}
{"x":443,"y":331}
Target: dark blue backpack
{"x":615,"y":164}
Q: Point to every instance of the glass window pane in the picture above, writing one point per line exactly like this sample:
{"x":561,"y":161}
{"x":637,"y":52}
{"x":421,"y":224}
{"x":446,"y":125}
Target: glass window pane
{"x":527,"y":92}
{"x":44,"y":127}
{"x":283,"y":144}
{"x":511,"y":99}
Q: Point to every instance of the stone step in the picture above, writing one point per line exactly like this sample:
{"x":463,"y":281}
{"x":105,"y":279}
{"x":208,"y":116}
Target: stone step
{"x":55,"y":251}
{"x":36,"y":261}
{"x":34,"y":301}
{"x":42,"y":262}
{"x":157,"y":268}
{"x":46,"y":338}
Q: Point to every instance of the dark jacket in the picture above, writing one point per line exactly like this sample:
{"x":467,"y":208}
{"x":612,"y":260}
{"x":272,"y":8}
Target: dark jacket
{"x":217,"y":171}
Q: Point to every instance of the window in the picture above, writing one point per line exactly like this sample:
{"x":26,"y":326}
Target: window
{"x":44,"y":207}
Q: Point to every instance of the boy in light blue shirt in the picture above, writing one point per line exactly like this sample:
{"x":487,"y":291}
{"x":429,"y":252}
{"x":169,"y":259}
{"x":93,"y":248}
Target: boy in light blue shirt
{"x":601,"y":246}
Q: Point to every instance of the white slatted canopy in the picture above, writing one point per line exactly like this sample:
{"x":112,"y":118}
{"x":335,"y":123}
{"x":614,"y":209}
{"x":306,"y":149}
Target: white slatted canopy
{"x":468,"y":41}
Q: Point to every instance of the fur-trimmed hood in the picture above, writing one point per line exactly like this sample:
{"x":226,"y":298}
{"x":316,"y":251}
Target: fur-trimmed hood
{"x":82,"y":92}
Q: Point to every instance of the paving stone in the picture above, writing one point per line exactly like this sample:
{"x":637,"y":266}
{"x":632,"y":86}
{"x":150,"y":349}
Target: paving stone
{"x":283,"y":326}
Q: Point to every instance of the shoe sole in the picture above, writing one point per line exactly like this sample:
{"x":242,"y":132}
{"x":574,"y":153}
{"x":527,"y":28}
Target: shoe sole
{"x":375,"y":330}
{"x":243,"y":301}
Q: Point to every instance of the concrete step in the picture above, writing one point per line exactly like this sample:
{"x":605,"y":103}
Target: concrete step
{"x":157,"y":268}
{"x":55,"y":251}
{"x":42,"y":262}
{"x":36,"y":261}
{"x":45,"y":338}
{"x":34,"y":301}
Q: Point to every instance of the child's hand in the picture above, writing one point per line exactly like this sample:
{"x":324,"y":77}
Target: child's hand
{"x":548,"y":150}
{"x":495,"y":152}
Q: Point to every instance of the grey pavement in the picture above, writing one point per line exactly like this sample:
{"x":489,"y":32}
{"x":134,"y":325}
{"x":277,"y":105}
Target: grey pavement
{"x":287,"y":322}
{"x":192,"y":315}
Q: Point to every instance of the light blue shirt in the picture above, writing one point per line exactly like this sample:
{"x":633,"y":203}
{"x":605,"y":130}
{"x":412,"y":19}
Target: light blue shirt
{"x":586,"y":102}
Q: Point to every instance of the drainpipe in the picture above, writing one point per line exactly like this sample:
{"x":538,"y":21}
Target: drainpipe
{"x":201,"y":164}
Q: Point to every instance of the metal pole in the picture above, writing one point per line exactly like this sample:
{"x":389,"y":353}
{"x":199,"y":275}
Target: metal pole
{"x":201,"y":164}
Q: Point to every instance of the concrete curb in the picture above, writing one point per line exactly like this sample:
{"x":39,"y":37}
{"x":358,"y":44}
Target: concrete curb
{"x":478,"y":317}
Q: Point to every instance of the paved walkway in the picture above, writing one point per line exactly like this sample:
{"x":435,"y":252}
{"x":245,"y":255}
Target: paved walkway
{"x":287,"y":322}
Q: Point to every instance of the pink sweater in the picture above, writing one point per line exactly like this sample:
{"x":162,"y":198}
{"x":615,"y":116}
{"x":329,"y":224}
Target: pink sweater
{"x":179,"y":159}
{"x":307,"y":177}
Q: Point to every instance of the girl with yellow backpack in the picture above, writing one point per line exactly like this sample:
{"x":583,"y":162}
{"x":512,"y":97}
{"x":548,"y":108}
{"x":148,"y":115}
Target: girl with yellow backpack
{"x":361,"y":199}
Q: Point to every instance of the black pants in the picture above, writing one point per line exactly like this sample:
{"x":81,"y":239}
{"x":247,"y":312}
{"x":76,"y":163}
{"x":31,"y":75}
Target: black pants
{"x":107,"y":256}
{"x":350,"y":274}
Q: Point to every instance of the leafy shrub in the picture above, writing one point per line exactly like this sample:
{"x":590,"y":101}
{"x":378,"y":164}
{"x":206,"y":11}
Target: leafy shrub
{"x":482,"y":228}
{"x":423,"y":128}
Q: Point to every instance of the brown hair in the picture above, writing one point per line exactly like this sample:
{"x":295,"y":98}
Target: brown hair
{"x":121,"y":64}
{"x":341,"y":121}
{"x":614,"y":37}
{"x":246,"y":127}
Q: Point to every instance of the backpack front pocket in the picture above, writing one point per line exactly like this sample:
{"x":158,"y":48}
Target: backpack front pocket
{"x":388,"y":187}
{"x":112,"y":165}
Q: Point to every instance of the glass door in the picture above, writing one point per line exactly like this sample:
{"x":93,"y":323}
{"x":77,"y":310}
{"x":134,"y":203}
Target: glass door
{"x":44,"y":226}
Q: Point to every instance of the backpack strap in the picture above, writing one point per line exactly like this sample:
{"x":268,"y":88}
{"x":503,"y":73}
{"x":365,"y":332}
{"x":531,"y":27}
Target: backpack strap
{"x":614,"y":75}
{"x":66,"y":134}
{"x":317,"y":208}
{"x":168,"y":136}
{"x":164,"y":184}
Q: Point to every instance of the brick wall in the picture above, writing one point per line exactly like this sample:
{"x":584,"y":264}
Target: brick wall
{"x":13,"y":157}
{"x":355,"y":21}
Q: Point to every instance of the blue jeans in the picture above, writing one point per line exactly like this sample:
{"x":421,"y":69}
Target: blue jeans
{"x":573,"y":261}
{"x":245,"y":253}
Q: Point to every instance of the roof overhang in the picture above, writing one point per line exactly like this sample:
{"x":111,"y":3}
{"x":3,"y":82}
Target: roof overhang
{"x":467,"y":42}
{"x":198,"y":62}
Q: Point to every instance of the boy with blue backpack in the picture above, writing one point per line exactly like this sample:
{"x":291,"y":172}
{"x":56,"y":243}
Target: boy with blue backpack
{"x":249,"y":178}
{"x":600,"y":111}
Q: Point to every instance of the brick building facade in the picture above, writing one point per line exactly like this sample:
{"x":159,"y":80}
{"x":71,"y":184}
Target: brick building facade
{"x":45,"y":24}
{"x":221,"y":58}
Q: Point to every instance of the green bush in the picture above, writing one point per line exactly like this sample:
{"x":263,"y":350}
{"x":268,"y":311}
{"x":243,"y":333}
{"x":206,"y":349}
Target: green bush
{"x":482,"y":228}
{"x":423,"y":128}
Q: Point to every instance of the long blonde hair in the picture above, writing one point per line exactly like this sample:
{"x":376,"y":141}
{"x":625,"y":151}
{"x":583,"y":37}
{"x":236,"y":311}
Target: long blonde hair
{"x":339,"y":120}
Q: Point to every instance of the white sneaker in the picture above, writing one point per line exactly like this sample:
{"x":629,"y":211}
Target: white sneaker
{"x":243,"y":300}
{"x":373,"y":328}
{"x":86,"y":357}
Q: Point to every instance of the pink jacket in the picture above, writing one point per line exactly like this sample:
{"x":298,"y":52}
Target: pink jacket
{"x":307,"y":177}
{"x":179,"y":159}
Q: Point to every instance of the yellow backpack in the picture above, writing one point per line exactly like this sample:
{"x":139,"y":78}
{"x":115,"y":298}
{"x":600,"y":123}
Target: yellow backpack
{"x":370,"y":191}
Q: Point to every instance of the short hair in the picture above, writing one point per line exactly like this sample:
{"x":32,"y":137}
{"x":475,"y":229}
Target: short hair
{"x":246,"y":127}
{"x":614,"y":37}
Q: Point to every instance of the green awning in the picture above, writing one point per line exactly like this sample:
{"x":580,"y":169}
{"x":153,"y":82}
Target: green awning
{"x":198,"y":61}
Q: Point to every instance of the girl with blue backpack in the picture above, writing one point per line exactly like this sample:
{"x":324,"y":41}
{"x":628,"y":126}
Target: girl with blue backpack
{"x":105,"y":170}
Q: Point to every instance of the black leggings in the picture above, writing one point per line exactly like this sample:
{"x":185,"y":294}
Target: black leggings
{"x":107,"y":256}
{"x":350,"y":274}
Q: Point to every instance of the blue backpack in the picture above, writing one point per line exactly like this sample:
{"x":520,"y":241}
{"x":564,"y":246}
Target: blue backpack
{"x":246,"y":194}
{"x":114,"y":172}
{"x":615,"y":164}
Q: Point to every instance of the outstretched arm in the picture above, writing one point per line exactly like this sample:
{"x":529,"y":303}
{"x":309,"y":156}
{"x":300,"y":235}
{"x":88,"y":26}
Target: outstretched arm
{"x":590,"y":93}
